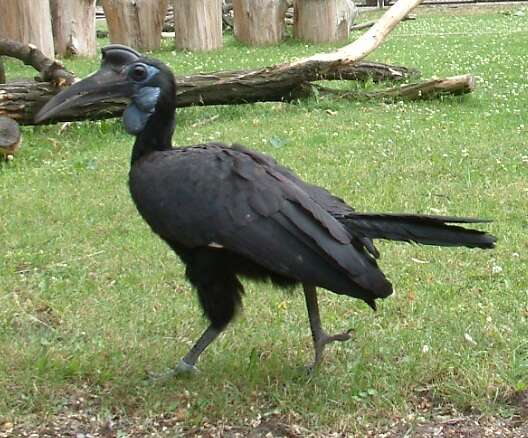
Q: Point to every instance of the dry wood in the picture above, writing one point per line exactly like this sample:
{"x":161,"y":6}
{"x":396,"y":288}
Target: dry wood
{"x":367,"y":24}
{"x":364,"y":25}
{"x":2,"y":72}
{"x":366,"y":43}
{"x":28,"y":21}
{"x":259,"y":22}
{"x":198,"y":24}
{"x":282,"y":82}
{"x":74,"y":27}
{"x":20,"y":100}
{"x":323,"y":21}
{"x":430,"y":89}
{"x":49,"y":69}
{"x":9,"y":137}
{"x":135,"y":23}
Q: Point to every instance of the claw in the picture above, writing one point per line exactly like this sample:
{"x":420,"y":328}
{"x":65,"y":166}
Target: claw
{"x":182,"y":369}
{"x":321,"y":343}
{"x":340,"y":337}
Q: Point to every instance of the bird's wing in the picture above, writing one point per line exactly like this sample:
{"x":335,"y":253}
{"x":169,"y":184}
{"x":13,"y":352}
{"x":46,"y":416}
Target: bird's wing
{"x":336,"y":206}
{"x":320,"y":195}
{"x":240,"y":200}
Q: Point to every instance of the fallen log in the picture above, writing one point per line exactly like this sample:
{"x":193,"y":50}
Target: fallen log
{"x":2,"y":72}
{"x":20,"y":100}
{"x":282,"y":82}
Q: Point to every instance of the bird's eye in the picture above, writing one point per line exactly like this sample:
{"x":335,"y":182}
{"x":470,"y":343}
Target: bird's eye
{"x":138,"y":73}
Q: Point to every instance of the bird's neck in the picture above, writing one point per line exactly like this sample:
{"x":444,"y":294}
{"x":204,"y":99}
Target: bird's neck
{"x":157,"y":135}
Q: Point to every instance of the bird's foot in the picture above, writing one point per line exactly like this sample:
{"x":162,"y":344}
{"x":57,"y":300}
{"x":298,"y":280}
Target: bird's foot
{"x":320,"y":344}
{"x":339,"y":337}
{"x":182,"y":369}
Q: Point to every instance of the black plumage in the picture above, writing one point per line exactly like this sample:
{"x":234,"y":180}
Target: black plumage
{"x":231,"y":212}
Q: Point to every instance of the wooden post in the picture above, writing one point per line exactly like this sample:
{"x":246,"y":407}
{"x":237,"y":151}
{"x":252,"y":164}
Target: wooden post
{"x":198,"y":24}
{"x":27,"y":21}
{"x":135,"y":23}
{"x":74,"y":27}
{"x":323,"y":21}
{"x":259,"y":22}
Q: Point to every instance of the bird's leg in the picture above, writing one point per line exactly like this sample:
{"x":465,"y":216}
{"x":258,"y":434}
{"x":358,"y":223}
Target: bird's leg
{"x":319,"y":336}
{"x":187,"y":364}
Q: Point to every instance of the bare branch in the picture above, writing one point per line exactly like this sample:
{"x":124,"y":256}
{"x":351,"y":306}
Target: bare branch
{"x":50,"y":70}
{"x":430,"y":89}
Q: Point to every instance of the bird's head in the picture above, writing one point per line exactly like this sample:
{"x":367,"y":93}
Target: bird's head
{"x":147,"y":84}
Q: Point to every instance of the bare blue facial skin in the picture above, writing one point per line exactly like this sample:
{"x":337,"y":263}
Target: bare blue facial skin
{"x":143,"y":104}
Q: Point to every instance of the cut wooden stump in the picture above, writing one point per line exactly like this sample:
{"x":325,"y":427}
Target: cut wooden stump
{"x":323,"y":21}
{"x":135,"y":23}
{"x":10,"y":137}
{"x":198,"y":24}
{"x":259,"y":22}
{"x":74,"y":27}
{"x":28,"y":21}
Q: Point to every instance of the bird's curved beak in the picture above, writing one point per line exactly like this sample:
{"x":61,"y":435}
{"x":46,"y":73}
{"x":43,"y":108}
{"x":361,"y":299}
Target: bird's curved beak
{"x":106,"y":84}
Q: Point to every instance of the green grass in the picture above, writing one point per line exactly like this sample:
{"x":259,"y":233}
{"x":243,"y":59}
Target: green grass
{"x":90,"y":300}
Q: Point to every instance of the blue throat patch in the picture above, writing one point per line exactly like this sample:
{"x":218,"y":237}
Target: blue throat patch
{"x":142,"y":107}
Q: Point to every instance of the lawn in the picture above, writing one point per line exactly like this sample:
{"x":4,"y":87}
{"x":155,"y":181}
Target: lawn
{"x":91,"y":301}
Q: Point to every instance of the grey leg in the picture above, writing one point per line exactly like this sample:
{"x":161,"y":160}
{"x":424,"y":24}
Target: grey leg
{"x":319,"y":336}
{"x":208,"y":336}
{"x":188,"y":363}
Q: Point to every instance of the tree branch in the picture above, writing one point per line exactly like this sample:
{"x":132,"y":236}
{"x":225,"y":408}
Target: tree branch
{"x":430,"y":89}
{"x":50,"y":70}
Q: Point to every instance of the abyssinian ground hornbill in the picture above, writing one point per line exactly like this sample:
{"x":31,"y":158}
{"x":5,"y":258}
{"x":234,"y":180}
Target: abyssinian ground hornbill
{"x":230,"y":212}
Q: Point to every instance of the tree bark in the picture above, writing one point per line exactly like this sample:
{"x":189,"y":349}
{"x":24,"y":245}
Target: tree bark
{"x":323,"y":21}
{"x":135,"y":23}
{"x":28,"y":21}
{"x":74,"y":27}
{"x":198,"y":24}
{"x":259,"y":22}
{"x":2,"y":72}
{"x":21,"y":100}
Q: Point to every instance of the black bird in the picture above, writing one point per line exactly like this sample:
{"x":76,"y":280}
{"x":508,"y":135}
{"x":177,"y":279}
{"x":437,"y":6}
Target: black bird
{"x":229,"y":212}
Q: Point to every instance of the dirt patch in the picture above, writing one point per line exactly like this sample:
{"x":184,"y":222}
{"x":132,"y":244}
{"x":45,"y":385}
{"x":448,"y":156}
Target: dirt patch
{"x":81,"y":418}
{"x":83,"y":425}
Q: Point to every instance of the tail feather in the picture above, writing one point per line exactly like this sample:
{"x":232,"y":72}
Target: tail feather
{"x":423,"y":229}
